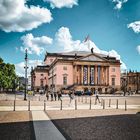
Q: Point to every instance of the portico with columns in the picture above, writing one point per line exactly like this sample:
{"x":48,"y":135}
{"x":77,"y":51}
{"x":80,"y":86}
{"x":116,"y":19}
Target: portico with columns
{"x":91,"y":74}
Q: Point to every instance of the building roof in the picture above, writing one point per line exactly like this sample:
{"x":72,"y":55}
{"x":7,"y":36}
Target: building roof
{"x":71,"y":55}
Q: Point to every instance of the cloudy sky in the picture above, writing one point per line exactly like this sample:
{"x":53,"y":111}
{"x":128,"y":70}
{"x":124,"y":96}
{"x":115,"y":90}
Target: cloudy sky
{"x":62,"y":25}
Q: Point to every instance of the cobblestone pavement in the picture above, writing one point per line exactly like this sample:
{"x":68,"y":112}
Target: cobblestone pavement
{"x":16,"y":126}
{"x":97,"y":124}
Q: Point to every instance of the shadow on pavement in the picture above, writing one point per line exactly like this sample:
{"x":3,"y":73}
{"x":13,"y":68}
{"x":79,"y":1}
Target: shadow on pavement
{"x":17,"y":131}
{"x":115,"y":127}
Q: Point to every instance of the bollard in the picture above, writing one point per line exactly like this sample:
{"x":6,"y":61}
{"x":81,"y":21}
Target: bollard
{"x":85,"y":99}
{"x":90,"y":104}
{"x":109,"y":102}
{"x":61,"y":105}
{"x":75,"y":104}
{"x":117,"y":104}
{"x":14,"y":105}
{"x":103,"y":104}
{"x":29,"y":105}
{"x":82,"y":98}
{"x":125,"y":105}
{"x":44,"y":105}
{"x":39,"y":98}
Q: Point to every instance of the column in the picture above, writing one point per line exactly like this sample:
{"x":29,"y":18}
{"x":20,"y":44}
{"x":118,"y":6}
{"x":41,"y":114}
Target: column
{"x":88,"y":74}
{"x":82,"y":74}
{"x":108,"y":75}
{"x":101,"y":76}
{"x":95,"y":75}
{"x":105,"y":81}
{"x":74,"y":74}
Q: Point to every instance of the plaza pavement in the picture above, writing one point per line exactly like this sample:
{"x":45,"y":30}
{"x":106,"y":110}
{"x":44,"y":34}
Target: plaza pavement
{"x":43,"y":126}
{"x":85,"y":102}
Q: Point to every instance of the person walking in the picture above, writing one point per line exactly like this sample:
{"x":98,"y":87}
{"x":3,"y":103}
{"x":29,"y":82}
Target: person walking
{"x":59,"y":95}
{"x":55,"y":96}
{"x":47,"y":94}
{"x":71,"y":95}
{"x":97,"y":96}
{"x":51,"y":95}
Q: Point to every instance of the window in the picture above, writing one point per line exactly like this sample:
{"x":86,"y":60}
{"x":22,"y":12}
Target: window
{"x":65,"y":68}
{"x":113,"y":81}
{"x":113,"y":69}
{"x":41,"y":83}
{"x":64,"y":80}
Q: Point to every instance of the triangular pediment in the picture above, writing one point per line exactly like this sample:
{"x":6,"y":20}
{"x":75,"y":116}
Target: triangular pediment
{"x":92,"y":57}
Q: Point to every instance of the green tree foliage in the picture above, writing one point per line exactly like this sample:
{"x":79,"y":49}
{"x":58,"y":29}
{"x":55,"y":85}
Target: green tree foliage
{"x":8,"y":76}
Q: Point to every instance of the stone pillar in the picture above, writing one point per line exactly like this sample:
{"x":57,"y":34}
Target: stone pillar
{"x":108,"y":75}
{"x":74,"y":74}
{"x":101,"y":75}
{"x":95,"y":75}
{"x":82,"y":75}
{"x":88,"y":74}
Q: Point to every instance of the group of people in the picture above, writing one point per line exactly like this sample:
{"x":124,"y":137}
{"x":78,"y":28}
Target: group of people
{"x":57,"y":95}
{"x":72,"y":96}
{"x":54,"y":95}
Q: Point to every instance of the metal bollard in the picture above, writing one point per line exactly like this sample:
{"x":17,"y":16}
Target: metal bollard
{"x":44,"y":105}
{"x":82,"y":98}
{"x":109,"y":102}
{"x":39,"y":98}
{"x":75,"y":104}
{"x":14,"y":105}
{"x":103,"y":104}
{"x":61,"y":105}
{"x":117,"y":104}
{"x":90,"y":103}
{"x":85,"y":99}
{"x":29,"y":105}
{"x":125,"y":105}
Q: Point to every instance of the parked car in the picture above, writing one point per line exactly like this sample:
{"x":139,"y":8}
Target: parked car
{"x":41,"y":91}
{"x":78,"y":93}
{"x":88,"y":93}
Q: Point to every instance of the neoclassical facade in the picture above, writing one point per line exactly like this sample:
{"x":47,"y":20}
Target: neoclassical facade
{"x":80,"y":71}
{"x":131,"y":81}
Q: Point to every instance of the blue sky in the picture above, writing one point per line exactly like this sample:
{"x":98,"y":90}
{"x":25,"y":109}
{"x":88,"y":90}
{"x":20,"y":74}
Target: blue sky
{"x":105,"y":21}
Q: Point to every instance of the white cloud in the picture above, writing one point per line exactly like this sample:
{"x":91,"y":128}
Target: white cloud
{"x":62,"y":3}
{"x":20,"y":71}
{"x":138,"y":49}
{"x":35,"y":44}
{"x":135,"y":26}
{"x":119,"y":3}
{"x":63,"y":39}
{"x":16,"y":16}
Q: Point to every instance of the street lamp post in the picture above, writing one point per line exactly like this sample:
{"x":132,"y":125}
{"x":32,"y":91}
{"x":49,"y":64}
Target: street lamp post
{"x":26,"y":58}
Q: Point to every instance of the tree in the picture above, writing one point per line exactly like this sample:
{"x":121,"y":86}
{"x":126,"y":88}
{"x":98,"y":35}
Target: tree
{"x":7,"y":76}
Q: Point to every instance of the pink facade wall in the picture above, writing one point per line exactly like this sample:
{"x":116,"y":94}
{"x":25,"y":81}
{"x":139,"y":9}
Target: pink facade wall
{"x":49,"y":60}
{"x":114,"y":74}
{"x":39,"y":77}
{"x":60,"y":72}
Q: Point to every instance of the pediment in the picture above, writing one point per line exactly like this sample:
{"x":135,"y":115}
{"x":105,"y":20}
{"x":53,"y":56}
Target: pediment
{"x":92,"y":58}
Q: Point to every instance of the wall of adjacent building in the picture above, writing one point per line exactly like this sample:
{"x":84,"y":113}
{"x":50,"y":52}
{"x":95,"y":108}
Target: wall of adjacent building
{"x":59,"y":72}
{"x":114,"y":74}
{"x":38,"y":78}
